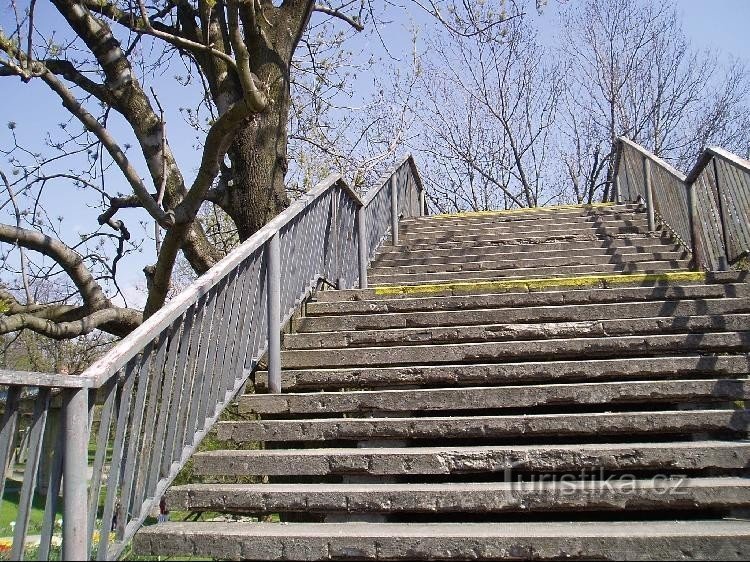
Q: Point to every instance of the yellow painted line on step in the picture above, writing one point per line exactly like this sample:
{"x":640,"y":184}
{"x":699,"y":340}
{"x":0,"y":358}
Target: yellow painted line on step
{"x":581,"y":281}
{"x":464,"y":214}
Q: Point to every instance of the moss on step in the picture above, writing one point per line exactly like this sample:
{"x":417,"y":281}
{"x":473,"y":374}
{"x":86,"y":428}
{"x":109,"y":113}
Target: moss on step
{"x":576,"y":282}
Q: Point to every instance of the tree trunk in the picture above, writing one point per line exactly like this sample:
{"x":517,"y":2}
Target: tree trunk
{"x":259,"y":164}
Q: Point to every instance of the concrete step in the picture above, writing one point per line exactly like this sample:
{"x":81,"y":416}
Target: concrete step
{"x":471,"y":497}
{"x":524,"y":215}
{"x":528,"y":314}
{"x":542,"y":272}
{"x":612,"y":540}
{"x":498,"y":397}
{"x":568,"y":231}
{"x":666,"y":366}
{"x":510,"y":351}
{"x":476,"y":263}
{"x":367,"y":301}
{"x":635,"y":222}
{"x":561,"y":285}
{"x":520,"y":428}
{"x":427,"y":224}
{"x":674,"y":456}
{"x":539,"y":239}
{"x":525,"y":252}
{"x":519,"y":331}
{"x":399,"y":255}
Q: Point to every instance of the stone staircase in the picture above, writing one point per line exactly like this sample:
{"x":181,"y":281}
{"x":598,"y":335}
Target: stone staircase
{"x":535,"y":384}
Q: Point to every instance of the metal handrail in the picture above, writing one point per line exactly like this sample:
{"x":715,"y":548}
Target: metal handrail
{"x":152,"y":398}
{"x":707,"y":210}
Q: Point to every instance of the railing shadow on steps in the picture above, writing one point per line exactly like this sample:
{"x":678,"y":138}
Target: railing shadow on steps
{"x":126,"y":426}
{"x":707,"y":210}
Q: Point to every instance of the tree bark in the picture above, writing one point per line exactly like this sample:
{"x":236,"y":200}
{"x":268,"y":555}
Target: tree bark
{"x":259,"y":164}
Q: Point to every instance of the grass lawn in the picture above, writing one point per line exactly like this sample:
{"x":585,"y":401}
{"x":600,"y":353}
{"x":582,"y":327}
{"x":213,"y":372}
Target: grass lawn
{"x":9,"y":510}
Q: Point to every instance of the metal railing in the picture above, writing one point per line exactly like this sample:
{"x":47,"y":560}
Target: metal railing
{"x":707,"y":210}
{"x":126,"y":426}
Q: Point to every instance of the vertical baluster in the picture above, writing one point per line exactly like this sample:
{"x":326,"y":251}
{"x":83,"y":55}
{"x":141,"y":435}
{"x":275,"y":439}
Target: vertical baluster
{"x":273,"y":284}
{"x":148,"y":447}
{"x":649,"y":194}
{"x":133,"y":435}
{"x":166,"y":405}
{"x":696,"y":243}
{"x":362,"y":246}
{"x":231,"y":369}
{"x":124,"y":397}
{"x":723,"y":256}
{"x":75,"y":465}
{"x":8,"y":432}
{"x":234,"y":294}
{"x":102,"y":440}
{"x":253,"y":285}
{"x":26,"y":496}
{"x":260,"y":315}
{"x":210,"y":364}
{"x":53,"y":492}
{"x":181,"y":394}
{"x":185,"y":423}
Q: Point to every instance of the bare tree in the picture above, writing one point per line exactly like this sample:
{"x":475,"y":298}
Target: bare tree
{"x":246,"y":71}
{"x":633,"y":72}
{"x":490,"y":103}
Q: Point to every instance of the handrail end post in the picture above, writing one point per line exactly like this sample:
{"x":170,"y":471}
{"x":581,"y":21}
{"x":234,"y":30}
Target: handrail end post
{"x":422,"y":204}
{"x":75,"y":468}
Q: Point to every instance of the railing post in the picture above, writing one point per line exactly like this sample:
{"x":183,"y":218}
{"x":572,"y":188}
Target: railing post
{"x":696,"y":243}
{"x":75,"y":519}
{"x":724,"y":259}
{"x":362,"y":246}
{"x":273,"y":291}
{"x":394,"y":211}
{"x":421,"y":203}
{"x":649,"y":194}
{"x":615,"y":195}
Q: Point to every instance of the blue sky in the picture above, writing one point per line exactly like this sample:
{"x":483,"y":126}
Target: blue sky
{"x":715,"y":24}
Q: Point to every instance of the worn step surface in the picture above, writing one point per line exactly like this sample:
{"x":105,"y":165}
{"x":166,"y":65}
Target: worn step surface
{"x":370,"y":302}
{"x":501,"y":232}
{"x":477,"y":263}
{"x":497,"y":397}
{"x":525,"y":314}
{"x":523,"y":427}
{"x":533,"y":371}
{"x":518,"y":331}
{"x":514,"y":249}
{"x":648,"y":540}
{"x":669,"y":456}
{"x":467,"y":497}
{"x":582,"y":348}
{"x":539,"y":272}
{"x":568,"y":284}
{"x":522,"y":215}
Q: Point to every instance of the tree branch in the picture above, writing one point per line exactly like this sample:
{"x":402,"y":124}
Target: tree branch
{"x":68,"y":259}
{"x":114,"y":320}
{"x":340,"y":15}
